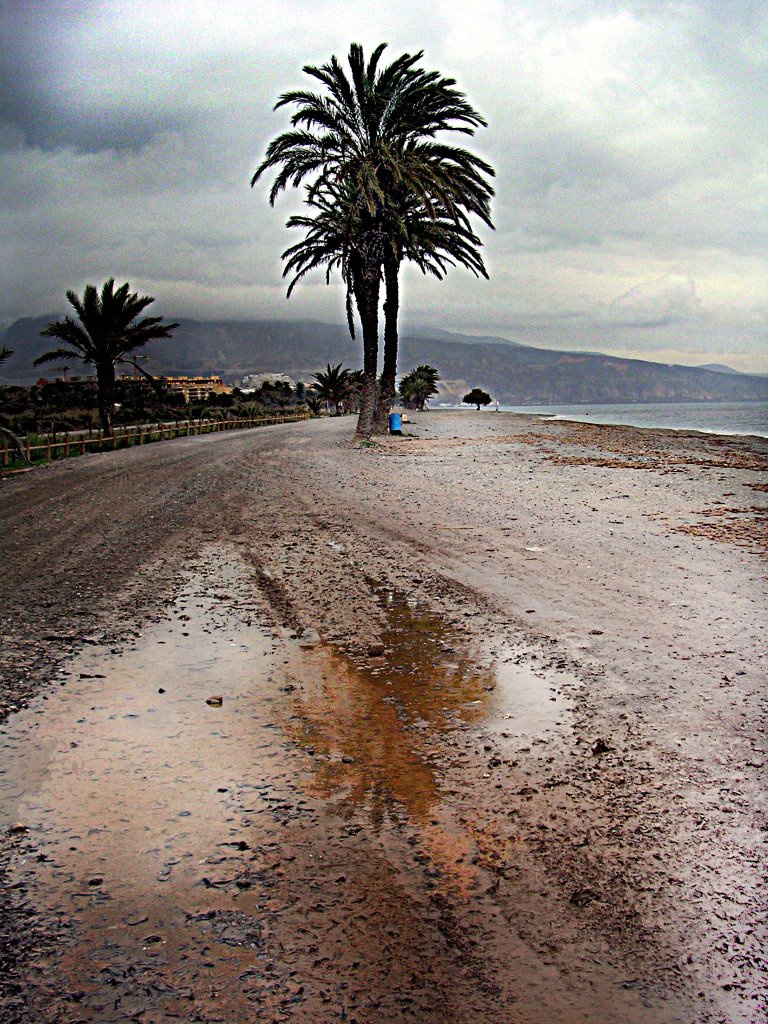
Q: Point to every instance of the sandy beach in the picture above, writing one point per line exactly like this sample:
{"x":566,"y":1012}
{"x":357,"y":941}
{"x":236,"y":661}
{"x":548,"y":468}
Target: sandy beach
{"x":491,"y":739}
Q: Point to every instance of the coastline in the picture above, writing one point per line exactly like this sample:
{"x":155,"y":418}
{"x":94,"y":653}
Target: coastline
{"x":736,"y":419}
{"x":625,"y":567}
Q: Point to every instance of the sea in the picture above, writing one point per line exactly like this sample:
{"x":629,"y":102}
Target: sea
{"x":709,"y":417}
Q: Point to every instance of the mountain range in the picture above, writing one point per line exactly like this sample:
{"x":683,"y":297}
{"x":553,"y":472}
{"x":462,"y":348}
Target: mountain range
{"x":512,"y":373}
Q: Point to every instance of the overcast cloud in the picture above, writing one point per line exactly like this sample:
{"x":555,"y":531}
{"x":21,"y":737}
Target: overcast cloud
{"x":628,"y":138}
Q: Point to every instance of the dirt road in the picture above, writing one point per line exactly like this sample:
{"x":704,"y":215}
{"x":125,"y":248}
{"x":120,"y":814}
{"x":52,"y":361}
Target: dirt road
{"x":543,"y":801}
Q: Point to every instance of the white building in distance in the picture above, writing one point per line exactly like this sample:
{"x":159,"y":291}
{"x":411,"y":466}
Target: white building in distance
{"x":253,"y":381}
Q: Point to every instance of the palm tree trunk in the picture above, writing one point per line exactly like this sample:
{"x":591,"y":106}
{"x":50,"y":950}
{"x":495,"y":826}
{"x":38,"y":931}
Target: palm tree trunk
{"x":366,"y":266}
{"x":389,"y":370}
{"x":105,"y":383}
{"x":367,"y":297}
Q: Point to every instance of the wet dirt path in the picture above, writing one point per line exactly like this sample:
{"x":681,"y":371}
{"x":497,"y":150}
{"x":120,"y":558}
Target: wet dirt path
{"x":307,"y":849}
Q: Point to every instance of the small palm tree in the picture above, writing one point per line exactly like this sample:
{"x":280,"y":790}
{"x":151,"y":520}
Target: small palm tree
{"x":105,"y":336}
{"x":213,"y":412}
{"x":314,"y":402}
{"x":418,"y":386}
{"x":332,"y":385}
{"x":251,"y":410}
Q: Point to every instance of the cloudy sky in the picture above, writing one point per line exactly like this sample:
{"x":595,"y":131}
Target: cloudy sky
{"x":628,"y":137}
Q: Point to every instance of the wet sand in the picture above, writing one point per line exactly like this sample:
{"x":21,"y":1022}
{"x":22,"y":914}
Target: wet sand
{"x":542,"y":801}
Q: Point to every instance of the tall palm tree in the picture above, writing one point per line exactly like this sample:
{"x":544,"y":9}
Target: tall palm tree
{"x":374,"y":136}
{"x":105,"y":336}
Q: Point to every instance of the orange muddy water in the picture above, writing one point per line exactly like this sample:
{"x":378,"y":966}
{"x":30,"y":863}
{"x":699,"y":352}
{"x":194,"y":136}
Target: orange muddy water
{"x":293,"y":852}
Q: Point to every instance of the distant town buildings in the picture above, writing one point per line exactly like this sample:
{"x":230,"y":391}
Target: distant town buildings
{"x":253,"y":381}
{"x":196,"y":389}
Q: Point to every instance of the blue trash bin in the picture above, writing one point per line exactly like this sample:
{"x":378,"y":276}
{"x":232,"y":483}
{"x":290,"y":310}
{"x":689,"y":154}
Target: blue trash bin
{"x":394,"y":423}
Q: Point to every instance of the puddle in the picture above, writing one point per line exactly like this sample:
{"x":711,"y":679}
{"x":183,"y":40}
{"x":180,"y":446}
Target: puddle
{"x":126,"y":781}
{"x":528,"y":703}
{"x":369,"y":721}
{"x":193,"y":853}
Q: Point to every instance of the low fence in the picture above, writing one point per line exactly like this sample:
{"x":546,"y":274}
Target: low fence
{"x":48,"y":448}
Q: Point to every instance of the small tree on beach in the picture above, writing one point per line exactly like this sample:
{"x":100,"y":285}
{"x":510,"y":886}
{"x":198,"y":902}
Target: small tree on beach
{"x":107,"y":335}
{"x":477,"y":397}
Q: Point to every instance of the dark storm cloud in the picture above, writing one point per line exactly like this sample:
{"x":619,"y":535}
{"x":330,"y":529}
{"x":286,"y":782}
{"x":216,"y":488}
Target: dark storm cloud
{"x":60,"y":94}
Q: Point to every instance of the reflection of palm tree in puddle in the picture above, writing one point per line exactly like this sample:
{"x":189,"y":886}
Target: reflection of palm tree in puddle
{"x":369,"y":722}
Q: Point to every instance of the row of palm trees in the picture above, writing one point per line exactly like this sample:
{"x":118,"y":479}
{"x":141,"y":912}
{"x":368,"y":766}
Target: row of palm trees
{"x":381,"y":187}
{"x":341,"y":388}
{"x":108,"y":334}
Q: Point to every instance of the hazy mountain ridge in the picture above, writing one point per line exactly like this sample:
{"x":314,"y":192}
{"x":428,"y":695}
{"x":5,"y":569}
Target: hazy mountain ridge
{"x":513,"y":373}
{"x":718,"y":368}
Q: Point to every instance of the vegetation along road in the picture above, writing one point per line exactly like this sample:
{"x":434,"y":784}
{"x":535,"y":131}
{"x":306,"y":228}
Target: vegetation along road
{"x":466,"y":725}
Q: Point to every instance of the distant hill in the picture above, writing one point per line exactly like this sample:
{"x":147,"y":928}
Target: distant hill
{"x":523,"y":375}
{"x":515,"y":374}
{"x":718,"y":368}
{"x":230,"y":348}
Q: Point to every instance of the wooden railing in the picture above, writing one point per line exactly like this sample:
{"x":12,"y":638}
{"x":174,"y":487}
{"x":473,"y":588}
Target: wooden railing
{"x":74,"y":443}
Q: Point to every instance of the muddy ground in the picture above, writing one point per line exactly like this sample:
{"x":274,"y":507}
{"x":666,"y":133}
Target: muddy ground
{"x":543,"y":801}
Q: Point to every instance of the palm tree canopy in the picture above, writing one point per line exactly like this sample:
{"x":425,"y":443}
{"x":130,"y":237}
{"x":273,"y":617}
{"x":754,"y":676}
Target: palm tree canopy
{"x":106,"y":332}
{"x":376,"y":130}
{"x":366,"y":148}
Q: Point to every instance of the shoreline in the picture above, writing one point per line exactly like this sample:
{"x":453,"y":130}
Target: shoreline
{"x":573,"y":417}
